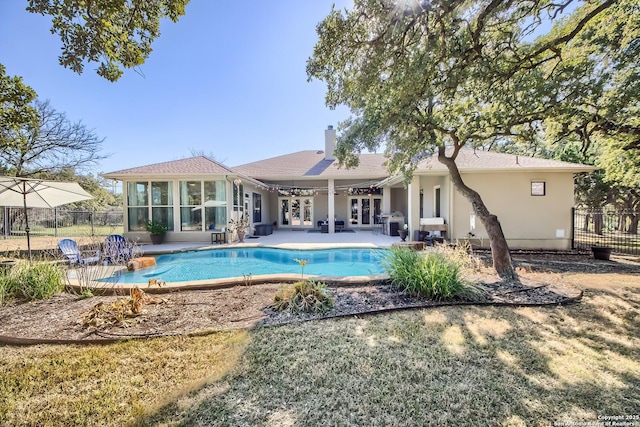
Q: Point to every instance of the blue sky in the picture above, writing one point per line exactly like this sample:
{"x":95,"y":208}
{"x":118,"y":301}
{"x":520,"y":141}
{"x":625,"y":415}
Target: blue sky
{"x":228,"y":80}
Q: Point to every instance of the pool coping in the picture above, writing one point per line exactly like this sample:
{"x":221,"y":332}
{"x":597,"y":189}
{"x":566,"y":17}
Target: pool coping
{"x":228,"y":282}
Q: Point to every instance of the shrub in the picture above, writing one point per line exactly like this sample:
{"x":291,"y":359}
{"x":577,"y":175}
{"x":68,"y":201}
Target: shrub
{"x":32,"y":280}
{"x":434,"y":275}
{"x":304,"y":297}
{"x":6,"y":286}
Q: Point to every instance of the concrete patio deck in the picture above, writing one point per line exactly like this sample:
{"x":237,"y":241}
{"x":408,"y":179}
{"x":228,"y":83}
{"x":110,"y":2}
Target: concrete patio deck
{"x":279,"y":238}
{"x":287,"y":239}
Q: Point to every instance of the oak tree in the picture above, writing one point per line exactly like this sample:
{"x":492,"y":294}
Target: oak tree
{"x":424,"y":77}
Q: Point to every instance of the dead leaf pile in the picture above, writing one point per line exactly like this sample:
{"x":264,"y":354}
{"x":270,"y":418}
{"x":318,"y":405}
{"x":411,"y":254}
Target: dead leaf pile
{"x":122,"y":313}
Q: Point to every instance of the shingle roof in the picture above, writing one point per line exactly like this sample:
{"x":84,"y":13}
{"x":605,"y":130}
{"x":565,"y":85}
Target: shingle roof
{"x":312,"y":164}
{"x":192,"y":166}
{"x":477,"y":160}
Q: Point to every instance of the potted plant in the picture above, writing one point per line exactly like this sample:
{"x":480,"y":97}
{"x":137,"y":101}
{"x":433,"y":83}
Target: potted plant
{"x":239,"y":227}
{"x":601,"y":252}
{"x":404,"y":232}
{"x":157,"y":230}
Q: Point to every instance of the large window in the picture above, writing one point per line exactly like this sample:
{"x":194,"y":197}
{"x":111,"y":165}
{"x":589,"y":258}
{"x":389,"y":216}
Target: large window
{"x":215,"y":204}
{"x":138,"y":205}
{"x":162,"y":203}
{"x":198,"y":198}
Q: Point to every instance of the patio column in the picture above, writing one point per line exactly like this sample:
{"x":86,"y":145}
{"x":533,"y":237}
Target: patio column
{"x":386,"y":200}
{"x":331,"y":205}
{"x":413,"y":205}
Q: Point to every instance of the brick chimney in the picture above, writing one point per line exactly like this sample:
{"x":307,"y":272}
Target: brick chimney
{"x":329,"y":143}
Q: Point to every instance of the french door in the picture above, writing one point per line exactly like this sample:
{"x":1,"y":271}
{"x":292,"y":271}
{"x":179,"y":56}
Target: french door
{"x":364,"y":211}
{"x":296,"y":212}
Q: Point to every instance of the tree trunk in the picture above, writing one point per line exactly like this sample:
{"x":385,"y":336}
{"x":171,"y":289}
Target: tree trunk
{"x":499,"y":248}
{"x":633,"y":225}
{"x":587,"y":219}
{"x":598,"y":223}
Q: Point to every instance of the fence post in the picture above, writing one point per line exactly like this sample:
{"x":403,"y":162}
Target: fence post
{"x":91,"y":220}
{"x":5,"y":223}
{"x":55,"y":222}
{"x":573,"y":228}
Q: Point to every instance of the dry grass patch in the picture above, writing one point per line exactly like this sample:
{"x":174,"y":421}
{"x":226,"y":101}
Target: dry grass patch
{"x":109,"y":384}
{"x":446,"y":366}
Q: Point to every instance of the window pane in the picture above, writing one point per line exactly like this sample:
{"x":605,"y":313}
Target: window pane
{"x":190,"y":193}
{"x":161,"y":194}
{"x":354,"y":211}
{"x":284,"y":220}
{"x":257,"y":207}
{"x":215,"y":191}
{"x":295,"y":212}
{"x":190,"y":219}
{"x":137,"y":194}
{"x":238,"y":192}
{"x":138,"y":219}
{"x":163,"y":216}
{"x":308,"y":212}
{"x":216,"y":216}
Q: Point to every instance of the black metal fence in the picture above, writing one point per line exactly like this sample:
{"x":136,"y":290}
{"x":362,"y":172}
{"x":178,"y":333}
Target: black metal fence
{"x":604,"y":227}
{"x":59,"y":222}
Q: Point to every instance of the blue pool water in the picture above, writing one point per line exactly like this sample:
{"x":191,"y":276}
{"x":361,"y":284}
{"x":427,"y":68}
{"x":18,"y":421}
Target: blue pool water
{"x":224,"y":263}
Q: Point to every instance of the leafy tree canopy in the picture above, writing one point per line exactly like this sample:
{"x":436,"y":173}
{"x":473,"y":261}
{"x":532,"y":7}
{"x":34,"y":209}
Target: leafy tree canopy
{"x":16,"y":109}
{"x":430,"y":76}
{"x":115,"y":33}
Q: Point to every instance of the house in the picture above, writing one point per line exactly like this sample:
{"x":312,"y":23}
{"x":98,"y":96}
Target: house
{"x":303,"y":190}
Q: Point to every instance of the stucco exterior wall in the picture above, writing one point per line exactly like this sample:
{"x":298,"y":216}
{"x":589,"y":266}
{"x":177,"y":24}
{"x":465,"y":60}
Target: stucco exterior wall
{"x":527,"y":221}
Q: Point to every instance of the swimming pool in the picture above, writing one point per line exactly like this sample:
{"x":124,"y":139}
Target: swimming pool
{"x":225,"y":263}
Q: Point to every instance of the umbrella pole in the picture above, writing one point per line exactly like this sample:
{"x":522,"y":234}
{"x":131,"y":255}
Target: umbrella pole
{"x":26,"y":217}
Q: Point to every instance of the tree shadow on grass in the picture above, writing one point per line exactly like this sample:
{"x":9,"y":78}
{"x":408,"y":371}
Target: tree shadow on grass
{"x":442,"y":366}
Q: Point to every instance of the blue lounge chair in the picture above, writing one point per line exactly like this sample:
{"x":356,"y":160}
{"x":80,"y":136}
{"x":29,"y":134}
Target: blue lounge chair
{"x":70,"y":250}
{"x":117,"y":250}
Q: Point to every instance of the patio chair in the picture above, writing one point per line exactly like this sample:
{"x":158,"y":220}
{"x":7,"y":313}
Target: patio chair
{"x":117,"y":250}
{"x":70,"y":250}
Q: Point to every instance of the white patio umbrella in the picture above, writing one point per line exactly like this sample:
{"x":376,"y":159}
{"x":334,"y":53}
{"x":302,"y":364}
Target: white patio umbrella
{"x":38,"y":193}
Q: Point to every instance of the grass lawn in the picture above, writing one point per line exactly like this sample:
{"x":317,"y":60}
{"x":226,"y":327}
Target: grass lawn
{"x":447,"y":366}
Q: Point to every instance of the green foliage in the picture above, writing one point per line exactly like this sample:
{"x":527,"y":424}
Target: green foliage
{"x":156,"y":228}
{"x":86,"y":293}
{"x":7,"y":287}
{"x":116,"y":33}
{"x":432,"y":275}
{"x":16,"y":109}
{"x":435,"y":77}
{"x":304,"y":297}
{"x":38,"y":280}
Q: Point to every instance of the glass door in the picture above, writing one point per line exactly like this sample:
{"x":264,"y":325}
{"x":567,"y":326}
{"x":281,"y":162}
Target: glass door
{"x":296,"y":212}
{"x":365,"y":211}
